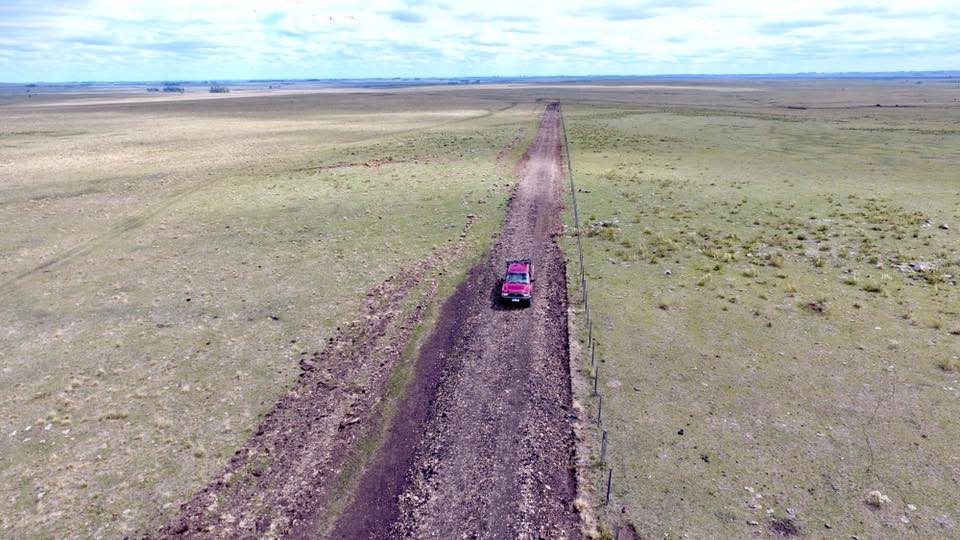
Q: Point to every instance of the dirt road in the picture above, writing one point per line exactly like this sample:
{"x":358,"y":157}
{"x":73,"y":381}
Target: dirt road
{"x":481,"y":445}
{"x":494,"y":456}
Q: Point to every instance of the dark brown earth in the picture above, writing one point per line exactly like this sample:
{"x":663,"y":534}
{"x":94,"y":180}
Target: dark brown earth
{"x":495,"y":455}
{"x":294,"y":463}
{"x":481,"y":445}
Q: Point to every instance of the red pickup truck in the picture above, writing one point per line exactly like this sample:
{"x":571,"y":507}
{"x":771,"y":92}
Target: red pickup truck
{"x":517,"y":287}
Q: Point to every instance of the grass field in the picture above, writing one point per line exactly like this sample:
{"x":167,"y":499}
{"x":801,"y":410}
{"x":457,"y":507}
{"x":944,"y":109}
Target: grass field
{"x":769,"y":277}
{"x":165,"y":262}
{"x":774,"y":294}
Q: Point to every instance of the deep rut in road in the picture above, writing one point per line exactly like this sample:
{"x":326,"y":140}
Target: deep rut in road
{"x":483,"y":445}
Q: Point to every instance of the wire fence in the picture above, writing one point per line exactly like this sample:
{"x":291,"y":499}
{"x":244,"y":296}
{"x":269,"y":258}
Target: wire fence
{"x":591,"y":342}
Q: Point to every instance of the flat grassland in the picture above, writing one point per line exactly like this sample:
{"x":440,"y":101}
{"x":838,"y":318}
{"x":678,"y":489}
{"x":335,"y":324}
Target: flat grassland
{"x":773,"y":293}
{"x":165,"y":262}
{"x":773,"y":283}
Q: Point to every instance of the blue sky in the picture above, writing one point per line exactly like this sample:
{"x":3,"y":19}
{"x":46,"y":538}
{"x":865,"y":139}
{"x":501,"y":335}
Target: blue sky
{"x":71,"y":40}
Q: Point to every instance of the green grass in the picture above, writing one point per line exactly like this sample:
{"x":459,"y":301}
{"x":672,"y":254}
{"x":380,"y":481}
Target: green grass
{"x":191,"y":271}
{"x":787,"y":339}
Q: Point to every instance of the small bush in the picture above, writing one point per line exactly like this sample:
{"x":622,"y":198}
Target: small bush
{"x":872,"y":286}
{"x":949,"y":365}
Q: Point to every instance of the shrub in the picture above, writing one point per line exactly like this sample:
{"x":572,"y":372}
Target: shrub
{"x":872,"y":285}
{"x":949,"y":365}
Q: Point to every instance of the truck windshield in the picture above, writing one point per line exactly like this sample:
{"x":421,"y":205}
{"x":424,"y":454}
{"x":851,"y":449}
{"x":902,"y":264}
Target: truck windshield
{"x":515,"y":277}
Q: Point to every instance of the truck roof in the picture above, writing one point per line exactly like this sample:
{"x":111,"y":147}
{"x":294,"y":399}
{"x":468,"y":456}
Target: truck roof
{"x":518,"y":267}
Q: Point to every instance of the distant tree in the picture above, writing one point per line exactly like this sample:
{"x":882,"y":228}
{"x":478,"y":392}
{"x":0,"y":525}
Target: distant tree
{"x":218,"y":89}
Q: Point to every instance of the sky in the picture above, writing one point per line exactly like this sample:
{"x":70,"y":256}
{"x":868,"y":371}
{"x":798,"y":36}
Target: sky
{"x":153,"y":40}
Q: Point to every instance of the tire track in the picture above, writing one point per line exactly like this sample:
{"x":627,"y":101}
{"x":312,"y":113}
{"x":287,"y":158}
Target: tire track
{"x":483,"y":446}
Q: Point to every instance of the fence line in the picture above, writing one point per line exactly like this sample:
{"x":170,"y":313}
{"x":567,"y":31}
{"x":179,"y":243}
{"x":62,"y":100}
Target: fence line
{"x":591,"y":343}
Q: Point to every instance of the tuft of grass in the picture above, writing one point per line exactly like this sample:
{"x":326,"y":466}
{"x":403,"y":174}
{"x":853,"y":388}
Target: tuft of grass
{"x":872,"y":286}
{"x":933,"y":323}
{"x":949,"y":365}
{"x":775,"y":260}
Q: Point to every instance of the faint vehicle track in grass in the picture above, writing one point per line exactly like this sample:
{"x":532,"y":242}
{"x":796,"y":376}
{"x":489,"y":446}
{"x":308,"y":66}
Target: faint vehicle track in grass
{"x":137,"y":220}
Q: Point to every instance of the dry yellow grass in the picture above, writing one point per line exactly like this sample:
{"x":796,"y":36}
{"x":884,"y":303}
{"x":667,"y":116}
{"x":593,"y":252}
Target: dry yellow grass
{"x":165,"y":263}
{"x":799,"y":341}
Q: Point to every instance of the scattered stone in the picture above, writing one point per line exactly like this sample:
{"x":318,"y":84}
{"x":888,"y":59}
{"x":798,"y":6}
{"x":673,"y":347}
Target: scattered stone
{"x":680,"y":431}
{"x":349,"y":421}
{"x":784,"y":527}
{"x":944,"y":226}
{"x":753,"y":522}
{"x":667,"y":272}
{"x":877,"y":499}
{"x":307,"y":365}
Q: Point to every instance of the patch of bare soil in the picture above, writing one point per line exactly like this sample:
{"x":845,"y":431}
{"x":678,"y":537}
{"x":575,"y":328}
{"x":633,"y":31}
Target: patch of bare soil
{"x":290,"y":466}
{"x":483,"y":446}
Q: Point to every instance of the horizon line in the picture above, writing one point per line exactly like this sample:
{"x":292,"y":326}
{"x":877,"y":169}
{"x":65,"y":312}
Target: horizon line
{"x":812,"y":74}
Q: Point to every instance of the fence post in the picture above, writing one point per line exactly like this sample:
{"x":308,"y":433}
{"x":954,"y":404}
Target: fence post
{"x":596,"y":377}
{"x":609,"y":482}
{"x":599,"y":407}
{"x":603,"y":448}
{"x":586,"y":297}
{"x":589,"y":331}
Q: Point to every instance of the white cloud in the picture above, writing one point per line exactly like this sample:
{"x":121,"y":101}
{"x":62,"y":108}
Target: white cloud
{"x":192,"y":39}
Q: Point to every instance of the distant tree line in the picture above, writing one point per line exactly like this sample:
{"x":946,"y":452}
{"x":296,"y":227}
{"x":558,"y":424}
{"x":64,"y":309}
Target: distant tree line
{"x":218,"y":89}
